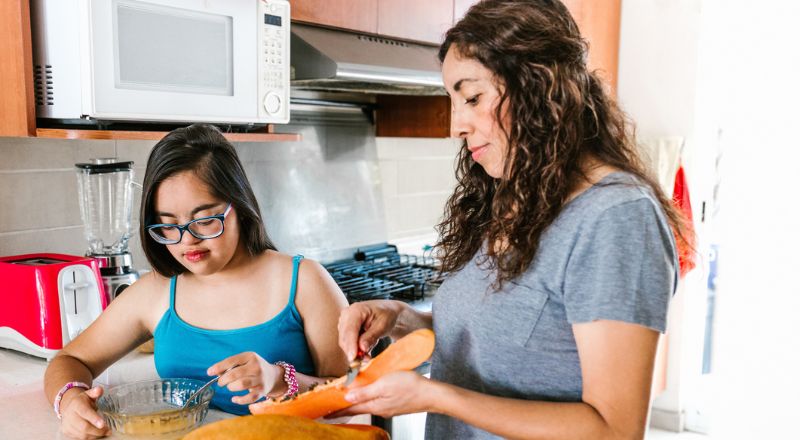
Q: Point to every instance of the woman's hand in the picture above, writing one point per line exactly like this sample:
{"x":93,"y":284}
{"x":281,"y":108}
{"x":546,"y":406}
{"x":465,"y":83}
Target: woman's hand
{"x":252,"y":373}
{"x":79,"y":417}
{"x":398,"y":393}
{"x":362,"y":324}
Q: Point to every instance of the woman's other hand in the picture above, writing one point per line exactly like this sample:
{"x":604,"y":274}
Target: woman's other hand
{"x":362,"y":324}
{"x":252,"y":373}
{"x":79,"y":417}
{"x":398,"y":393}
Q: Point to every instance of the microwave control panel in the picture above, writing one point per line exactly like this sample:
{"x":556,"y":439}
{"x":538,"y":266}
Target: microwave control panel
{"x":273,"y":66}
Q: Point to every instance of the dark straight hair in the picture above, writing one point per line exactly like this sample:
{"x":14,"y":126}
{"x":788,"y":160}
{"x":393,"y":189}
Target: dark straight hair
{"x":202,"y":149}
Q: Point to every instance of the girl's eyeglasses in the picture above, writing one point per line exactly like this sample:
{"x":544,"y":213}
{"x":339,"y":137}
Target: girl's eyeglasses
{"x":203,"y":228}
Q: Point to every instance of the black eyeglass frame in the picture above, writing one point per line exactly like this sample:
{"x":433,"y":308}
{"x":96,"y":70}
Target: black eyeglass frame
{"x":185,"y":228}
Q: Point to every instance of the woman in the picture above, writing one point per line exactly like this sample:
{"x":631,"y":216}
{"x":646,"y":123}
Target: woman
{"x":219,"y":296}
{"x":558,"y":245}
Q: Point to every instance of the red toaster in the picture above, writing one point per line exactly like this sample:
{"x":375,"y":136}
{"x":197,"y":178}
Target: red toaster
{"x":47,"y":300}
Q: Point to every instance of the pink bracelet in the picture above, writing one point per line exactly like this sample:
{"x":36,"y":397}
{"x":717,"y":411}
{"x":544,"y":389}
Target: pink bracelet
{"x":290,"y":377}
{"x":60,"y":395}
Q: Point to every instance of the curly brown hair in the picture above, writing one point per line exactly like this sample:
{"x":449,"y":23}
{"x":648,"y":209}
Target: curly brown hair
{"x":560,"y":115}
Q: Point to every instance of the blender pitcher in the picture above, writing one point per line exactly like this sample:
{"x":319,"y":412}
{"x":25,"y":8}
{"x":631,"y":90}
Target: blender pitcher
{"x":105,"y":187}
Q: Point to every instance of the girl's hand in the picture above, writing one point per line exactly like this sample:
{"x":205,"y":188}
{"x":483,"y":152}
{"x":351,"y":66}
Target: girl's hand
{"x":398,"y":393}
{"x":253,"y":373}
{"x":79,"y":417}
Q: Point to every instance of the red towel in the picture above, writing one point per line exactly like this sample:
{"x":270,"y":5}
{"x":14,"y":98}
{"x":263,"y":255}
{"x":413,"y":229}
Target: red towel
{"x":681,"y":200}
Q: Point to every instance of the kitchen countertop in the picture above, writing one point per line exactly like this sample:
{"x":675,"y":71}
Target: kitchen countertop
{"x":26,"y":414}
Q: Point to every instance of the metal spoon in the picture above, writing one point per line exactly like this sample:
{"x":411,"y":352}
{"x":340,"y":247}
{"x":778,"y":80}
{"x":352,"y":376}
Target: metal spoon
{"x":203,"y":388}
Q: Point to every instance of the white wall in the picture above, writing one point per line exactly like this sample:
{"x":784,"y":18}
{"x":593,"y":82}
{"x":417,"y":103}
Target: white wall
{"x":754,"y":49}
{"x":724,"y":74}
{"x":658,"y":88}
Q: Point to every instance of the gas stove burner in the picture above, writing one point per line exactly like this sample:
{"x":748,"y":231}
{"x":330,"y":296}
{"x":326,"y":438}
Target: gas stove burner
{"x":380,"y":272}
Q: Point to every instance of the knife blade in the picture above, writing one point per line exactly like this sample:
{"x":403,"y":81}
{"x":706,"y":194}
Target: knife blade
{"x":355,"y":367}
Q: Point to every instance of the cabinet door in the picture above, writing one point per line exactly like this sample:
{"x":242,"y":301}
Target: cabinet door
{"x":419,"y":20}
{"x":16,"y":70}
{"x":358,"y":15}
{"x":599,"y":22}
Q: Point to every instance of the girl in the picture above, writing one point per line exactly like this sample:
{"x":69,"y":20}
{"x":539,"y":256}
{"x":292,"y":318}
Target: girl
{"x":220,"y":295}
{"x":558,"y":245}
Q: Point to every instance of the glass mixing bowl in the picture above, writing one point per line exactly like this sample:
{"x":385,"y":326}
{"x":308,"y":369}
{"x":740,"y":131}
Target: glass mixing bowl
{"x":153,"y":407}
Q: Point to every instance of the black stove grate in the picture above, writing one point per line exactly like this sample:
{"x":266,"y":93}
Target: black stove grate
{"x":380,"y":272}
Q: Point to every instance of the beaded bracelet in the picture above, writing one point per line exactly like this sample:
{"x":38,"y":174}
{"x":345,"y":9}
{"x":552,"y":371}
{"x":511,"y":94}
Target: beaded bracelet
{"x":289,"y":376}
{"x":60,"y":395}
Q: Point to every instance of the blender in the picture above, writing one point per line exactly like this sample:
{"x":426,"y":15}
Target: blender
{"x":105,"y":187}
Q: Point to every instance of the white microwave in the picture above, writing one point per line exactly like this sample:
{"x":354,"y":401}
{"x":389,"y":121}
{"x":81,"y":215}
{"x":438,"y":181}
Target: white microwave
{"x":219,"y":61}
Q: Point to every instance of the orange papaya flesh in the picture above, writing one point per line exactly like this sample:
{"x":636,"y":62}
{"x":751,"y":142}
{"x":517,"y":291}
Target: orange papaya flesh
{"x":406,"y":353}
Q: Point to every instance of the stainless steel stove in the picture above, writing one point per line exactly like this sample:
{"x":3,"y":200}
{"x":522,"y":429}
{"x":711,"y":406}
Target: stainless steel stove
{"x":380,"y":272}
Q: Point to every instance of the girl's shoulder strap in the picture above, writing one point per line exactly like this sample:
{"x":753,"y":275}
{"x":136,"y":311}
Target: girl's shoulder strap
{"x":172,"y":282}
{"x":295,"y":268}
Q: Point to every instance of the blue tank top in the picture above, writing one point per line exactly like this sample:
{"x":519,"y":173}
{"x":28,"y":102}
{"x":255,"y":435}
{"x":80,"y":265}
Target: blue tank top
{"x":183,"y":350}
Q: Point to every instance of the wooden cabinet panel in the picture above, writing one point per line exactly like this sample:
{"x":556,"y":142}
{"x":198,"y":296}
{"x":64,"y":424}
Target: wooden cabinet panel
{"x":359,"y":15}
{"x":599,"y":22}
{"x":420,"y":20}
{"x":412,"y":116}
{"x":16,"y":70}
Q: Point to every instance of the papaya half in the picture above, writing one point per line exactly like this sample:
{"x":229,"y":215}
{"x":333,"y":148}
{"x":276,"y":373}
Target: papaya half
{"x":262,"y":427}
{"x":406,"y":353}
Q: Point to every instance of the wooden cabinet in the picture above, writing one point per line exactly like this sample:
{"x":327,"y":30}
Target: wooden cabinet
{"x":419,"y":20}
{"x":599,"y":22}
{"x":357,"y":15}
{"x":17,"y":110}
{"x":412,"y":116}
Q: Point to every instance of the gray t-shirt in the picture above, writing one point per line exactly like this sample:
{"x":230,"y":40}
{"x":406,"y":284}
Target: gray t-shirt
{"x":610,"y":254}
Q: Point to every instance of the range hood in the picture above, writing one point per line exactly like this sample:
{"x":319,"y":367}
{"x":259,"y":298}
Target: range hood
{"x":335,"y":60}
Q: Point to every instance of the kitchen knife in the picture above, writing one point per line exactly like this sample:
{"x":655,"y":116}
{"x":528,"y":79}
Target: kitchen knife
{"x":355,"y":367}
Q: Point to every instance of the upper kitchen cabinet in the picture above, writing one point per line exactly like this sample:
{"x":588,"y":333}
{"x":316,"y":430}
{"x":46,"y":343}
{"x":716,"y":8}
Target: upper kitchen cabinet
{"x":16,"y":71}
{"x":419,"y":20}
{"x":599,"y":22}
{"x":358,"y":15}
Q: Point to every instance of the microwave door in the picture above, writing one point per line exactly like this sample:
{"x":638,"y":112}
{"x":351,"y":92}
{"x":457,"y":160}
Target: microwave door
{"x":177,"y":60}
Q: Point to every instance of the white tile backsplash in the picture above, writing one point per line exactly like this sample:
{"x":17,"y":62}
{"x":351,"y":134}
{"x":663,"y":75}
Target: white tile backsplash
{"x":19,"y":154}
{"x":136,"y":151}
{"x":417,"y":178}
{"x":38,"y":200}
{"x":413,"y":177}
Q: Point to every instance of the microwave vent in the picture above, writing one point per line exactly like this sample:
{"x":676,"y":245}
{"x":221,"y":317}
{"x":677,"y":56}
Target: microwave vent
{"x":43,"y":84}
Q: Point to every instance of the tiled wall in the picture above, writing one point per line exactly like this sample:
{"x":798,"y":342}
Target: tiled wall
{"x":39,"y":193}
{"x":40,"y":211}
{"x":418,"y":175}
